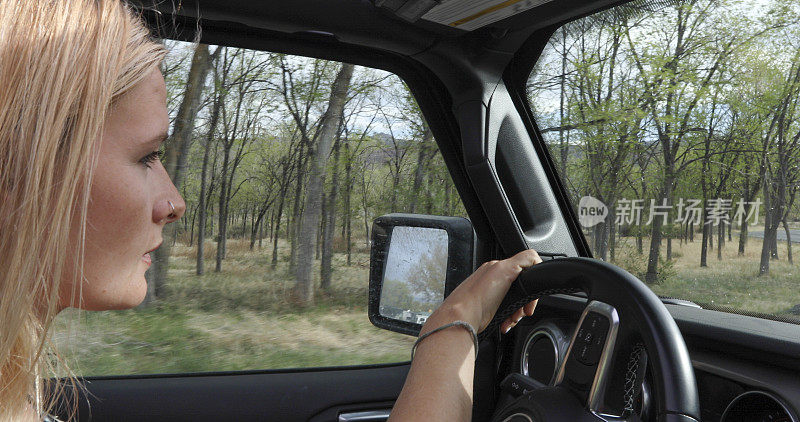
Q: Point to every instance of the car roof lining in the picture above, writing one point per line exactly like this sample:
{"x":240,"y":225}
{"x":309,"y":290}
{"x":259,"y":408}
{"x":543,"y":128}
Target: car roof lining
{"x":360,"y":23}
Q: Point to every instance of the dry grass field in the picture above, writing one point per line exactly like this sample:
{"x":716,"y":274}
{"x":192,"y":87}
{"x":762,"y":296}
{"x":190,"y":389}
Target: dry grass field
{"x":733,"y":281}
{"x":239,"y":319}
{"x":233,"y":320}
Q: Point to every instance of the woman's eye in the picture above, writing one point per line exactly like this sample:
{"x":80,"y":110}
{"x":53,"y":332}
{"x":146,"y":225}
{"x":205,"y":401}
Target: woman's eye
{"x":151,"y":158}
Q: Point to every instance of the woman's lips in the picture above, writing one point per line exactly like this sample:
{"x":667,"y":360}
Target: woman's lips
{"x":146,"y":257}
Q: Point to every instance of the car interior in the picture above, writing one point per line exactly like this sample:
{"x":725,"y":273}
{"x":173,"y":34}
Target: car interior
{"x":600,"y":345}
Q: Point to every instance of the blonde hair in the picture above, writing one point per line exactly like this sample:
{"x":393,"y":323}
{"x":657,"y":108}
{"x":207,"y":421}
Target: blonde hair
{"x":62,"y":64}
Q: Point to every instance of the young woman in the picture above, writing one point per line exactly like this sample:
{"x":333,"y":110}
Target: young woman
{"x":84,"y":198}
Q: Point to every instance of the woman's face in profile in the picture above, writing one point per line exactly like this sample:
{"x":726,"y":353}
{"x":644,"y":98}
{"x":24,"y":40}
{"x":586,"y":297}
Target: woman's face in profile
{"x":128,"y":205}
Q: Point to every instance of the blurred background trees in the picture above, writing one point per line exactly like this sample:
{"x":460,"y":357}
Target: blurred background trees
{"x":670,"y":101}
{"x":291,"y":152}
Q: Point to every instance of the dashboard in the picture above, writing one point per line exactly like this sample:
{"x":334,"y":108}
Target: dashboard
{"x":739,"y":378}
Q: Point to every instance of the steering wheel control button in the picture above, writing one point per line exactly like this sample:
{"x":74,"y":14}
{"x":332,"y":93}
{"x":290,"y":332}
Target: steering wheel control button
{"x":584,"y":354}
{"x":518,"y":385}
{"x":590,"y":340}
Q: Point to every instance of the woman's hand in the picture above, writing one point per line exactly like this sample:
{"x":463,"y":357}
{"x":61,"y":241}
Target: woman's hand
{"x":439,"y":384}
{"x":476,"y":299}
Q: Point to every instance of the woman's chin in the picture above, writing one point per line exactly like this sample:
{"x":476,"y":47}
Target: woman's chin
{"x":116,"y":300}
{"x":135,"y":297}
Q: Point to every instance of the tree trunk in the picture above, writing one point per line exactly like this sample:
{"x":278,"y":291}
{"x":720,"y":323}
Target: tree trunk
{"x":563,"y":142}
{"x":669,"y":246}
{"x":419,"y":172}
{"x":252,"y":215}
{"x":639,"y":240}
{"x":222,"y":220}
{"x":322,"y":220}
{"x":254,"y":227}
{"x":307,"y":231}
{"x":704,"y":243}
{"x":276,"y":232}
{"x":600,"y":241}
{"x":191,"y":233}
{"x":612,"y":244}
{"x":348,"y":191}
{"x":175,"y":152}
{"x":429,"y":194}
{"x":730,"y":232}
{"x":326,"y":270}
{"x":187,"y":112}
{"x":742,"y":237}
{"x":257,"y":225}
{"x":296,"y":210}
{"x":788,"y":241}
{"x":651,"y":277}
{"x":364,"y":207}
{"x":260,"y":233}
{"x":763,"y":268}
{"x":773,"y":246}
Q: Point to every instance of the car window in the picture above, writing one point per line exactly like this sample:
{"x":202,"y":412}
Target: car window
{"x":268,"y":268}
{"x":675,"y":128}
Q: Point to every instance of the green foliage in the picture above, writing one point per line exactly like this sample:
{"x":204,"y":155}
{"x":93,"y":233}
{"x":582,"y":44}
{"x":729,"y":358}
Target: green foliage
{"x":636,"y":264}
{"x":689,"y":100}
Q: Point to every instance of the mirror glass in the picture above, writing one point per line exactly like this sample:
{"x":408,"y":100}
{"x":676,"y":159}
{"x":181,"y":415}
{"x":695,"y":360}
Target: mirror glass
{"x":415,"y":273}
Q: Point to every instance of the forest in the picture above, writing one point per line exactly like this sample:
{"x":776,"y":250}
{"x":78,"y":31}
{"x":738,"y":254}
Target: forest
{"x":269,"y":147}
{"x":679,"y":104}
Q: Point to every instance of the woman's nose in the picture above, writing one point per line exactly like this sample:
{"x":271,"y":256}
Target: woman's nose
{"x":169,"y":210}
{"x":178,"y":208}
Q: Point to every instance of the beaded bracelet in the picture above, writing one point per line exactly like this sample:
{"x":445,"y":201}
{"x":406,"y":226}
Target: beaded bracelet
{"x":464,"y":324}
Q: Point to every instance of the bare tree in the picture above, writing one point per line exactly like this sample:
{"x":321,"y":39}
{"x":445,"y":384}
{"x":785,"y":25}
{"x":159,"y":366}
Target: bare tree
{"x":309,"y":223}
{"x":175,"y":153}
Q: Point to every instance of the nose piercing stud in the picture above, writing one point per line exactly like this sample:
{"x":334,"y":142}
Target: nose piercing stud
{"x":172,"y":214}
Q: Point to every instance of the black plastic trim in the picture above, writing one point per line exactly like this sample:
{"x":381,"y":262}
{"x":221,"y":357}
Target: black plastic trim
{"x":519,"y":65}
{"x":280,"y":396}
{"x":315,"y":369}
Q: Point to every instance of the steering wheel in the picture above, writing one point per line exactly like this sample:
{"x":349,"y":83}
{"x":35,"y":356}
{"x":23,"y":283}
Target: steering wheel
{"x":622,"y":318}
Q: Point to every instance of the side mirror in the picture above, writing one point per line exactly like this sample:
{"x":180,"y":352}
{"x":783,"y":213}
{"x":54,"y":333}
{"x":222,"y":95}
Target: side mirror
{"x":415,"y":262}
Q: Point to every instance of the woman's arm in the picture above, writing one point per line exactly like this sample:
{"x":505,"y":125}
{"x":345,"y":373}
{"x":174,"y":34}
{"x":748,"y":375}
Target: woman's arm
{"x":439,"y":384}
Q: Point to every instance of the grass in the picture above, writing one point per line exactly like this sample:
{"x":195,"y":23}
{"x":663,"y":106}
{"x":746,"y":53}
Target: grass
{"x":731,"y":282}
{"x":240,"y":319}
{"x":233,"y":320}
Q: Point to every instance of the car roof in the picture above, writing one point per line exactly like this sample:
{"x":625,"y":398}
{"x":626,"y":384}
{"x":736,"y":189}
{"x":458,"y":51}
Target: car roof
{"x":362,"y":24}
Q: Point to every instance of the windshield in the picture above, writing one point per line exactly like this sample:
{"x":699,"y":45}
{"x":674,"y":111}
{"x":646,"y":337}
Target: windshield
{"x":675,"y":127}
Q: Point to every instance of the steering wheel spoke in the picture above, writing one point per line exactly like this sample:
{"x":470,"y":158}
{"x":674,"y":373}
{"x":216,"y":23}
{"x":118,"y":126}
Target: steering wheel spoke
{"x":587,"y":366}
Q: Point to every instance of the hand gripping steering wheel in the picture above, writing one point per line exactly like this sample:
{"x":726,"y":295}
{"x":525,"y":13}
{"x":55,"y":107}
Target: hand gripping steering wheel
{"x":622,"y":313}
